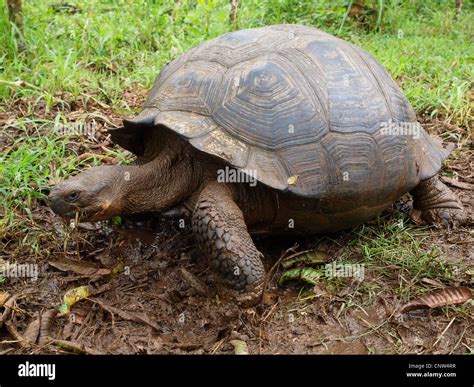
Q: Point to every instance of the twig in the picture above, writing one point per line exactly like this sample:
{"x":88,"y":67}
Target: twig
{"x":217,"y":346}
{"x":234,"y":8}
{"x":371,"y":330}
{"x":270,"y":272}
{"x":21,"y":83}
{"x":459,"y":341}
{"x":444,"y":331}
{"x":269,"y":313}
{"x":78,"y":348}
{"x":17,"y":336}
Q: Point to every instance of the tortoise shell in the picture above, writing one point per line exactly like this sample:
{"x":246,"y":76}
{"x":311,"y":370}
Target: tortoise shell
{"x":300,"y":107}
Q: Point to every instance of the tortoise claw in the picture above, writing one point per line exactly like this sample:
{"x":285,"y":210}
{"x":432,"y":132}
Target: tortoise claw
{"x":247,"y":298}
{"x":444,"y":217}
{"x":434,"y":203}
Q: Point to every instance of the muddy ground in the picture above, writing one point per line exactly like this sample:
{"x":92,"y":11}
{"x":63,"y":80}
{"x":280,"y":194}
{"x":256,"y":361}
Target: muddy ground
{"x":149,"y":306}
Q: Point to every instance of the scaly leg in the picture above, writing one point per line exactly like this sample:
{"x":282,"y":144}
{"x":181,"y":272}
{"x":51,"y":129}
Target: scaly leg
{"x":220,"y":229}
{"x":437,"y":204}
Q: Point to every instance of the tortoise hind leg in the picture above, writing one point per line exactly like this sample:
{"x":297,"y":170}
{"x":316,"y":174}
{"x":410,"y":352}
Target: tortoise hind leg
{"x":220,"y":229}
{"x":437,"y":204}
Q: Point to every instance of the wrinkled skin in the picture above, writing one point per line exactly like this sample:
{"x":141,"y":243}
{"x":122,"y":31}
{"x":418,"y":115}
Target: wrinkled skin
{"x":94,"y":194}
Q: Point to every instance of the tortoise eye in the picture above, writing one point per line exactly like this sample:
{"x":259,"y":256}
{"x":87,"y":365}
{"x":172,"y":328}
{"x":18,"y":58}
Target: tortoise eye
{"x":74,"y":195}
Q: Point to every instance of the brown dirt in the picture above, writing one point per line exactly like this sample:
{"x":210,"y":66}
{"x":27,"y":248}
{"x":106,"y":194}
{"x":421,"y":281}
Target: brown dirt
{"x":182,"y":320}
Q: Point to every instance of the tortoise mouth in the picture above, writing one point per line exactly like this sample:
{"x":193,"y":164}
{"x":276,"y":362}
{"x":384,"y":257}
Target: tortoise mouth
{"x":83,"y":214}
{"x":69,"y":215}
{"x":68,"y":210}
{"x":61,"y":207}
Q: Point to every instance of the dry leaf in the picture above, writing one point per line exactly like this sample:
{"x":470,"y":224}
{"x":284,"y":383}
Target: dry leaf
{"x":293,"y":179}
{"x":9,"y":305}
{"x":432,"y":282}
{"x":45,"y":325}
{"x":3,"y":297}
{"x":437,"y":298}
{"x":32,"y":331}
{"x":137,"y":317}
{"x":456,"y":183}
{"x":194,"y":282}
{"x":82,"y":268}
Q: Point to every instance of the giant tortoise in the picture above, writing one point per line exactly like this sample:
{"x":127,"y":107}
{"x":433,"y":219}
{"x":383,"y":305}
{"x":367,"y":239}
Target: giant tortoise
{"x":282,"y":129}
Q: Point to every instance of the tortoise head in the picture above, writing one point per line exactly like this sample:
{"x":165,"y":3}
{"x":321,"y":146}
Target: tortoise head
{"x":166,"y":178}
{"x":95,"y":193}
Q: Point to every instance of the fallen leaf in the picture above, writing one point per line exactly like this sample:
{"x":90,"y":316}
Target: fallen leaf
{"x":305,"y":274}
{"x":128,"y":315}
{"x":437,"y":298}
{"x":118,"y":268}
{"x":73,"y":296}
{"x":240,"y":347}
{"x":9,"y":305}
{"x":293,"y":179}
{"x":82,"y":268}
{"x":432,"y":282}
{"x":101,"y":289}
{"x":3,"y":297}
{"x":308,"y":257}
{"x":194,"y":282}
{"x":456,"y":183}
{"x":32,"y":330}
{"x":47,"y":319}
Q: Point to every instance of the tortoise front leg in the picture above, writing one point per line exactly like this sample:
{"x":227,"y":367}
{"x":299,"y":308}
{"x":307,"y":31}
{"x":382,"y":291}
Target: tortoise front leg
{"x":437,"y":204}
{"x":220,"y":229}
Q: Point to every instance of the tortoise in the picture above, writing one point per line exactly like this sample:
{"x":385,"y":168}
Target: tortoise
{"x":283,"y":129}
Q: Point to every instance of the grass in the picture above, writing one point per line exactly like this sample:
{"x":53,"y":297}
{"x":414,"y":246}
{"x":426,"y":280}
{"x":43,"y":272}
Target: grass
{"x":393,"y":251}
{"x":102,"y":47}
{"x":94,"y":55}
{"x":38,"y":156}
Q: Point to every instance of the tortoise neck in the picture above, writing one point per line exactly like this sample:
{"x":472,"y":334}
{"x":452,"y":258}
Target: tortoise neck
{"x":161,"y":183}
